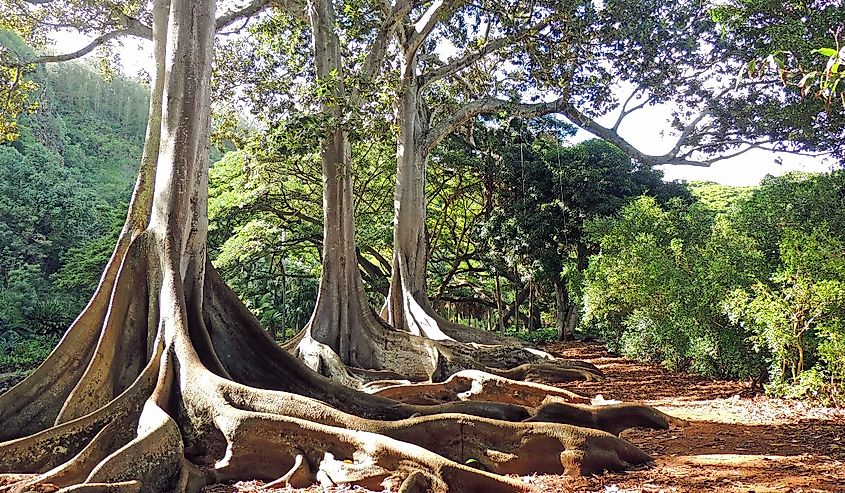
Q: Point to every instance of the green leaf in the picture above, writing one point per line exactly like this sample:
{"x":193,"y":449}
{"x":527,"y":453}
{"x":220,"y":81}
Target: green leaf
{"x":826,"y":51}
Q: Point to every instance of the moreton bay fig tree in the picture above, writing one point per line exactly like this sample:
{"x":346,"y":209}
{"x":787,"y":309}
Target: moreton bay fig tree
{"x":166,"y":382}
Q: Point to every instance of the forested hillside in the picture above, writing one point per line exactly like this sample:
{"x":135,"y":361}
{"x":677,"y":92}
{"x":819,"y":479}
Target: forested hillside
{"x":64,"y":185}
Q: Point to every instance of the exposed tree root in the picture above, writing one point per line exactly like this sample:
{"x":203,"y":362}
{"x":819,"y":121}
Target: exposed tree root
{"x":550,"y":373}
{"x":349,"y":329}
{"x":233,"y":326}
{"x":472,"y":385}
{"x":399,"y":354}
{"x":614,"y":418}
{"x":142,"y":439}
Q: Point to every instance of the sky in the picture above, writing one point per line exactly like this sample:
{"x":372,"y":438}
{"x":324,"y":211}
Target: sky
{"x":647,"y":129}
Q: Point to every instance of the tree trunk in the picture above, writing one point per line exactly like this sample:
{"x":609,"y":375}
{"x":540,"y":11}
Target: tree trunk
{"x":530,"y":326}
{"x":563,"y":314}
{"x":343,"y":331}
{"x":500,"y":321}
{"x":408,"y":307}
{"x":342,"y":318}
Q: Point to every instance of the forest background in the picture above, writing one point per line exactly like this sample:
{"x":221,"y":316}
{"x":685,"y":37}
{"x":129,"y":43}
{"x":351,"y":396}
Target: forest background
{"x":527,"y":234}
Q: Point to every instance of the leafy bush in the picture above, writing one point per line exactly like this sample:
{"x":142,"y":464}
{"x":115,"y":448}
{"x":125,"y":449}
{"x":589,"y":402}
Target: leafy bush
{"x":753,"y":288}
{"x":49,"y":317}
{"x":537,"y":336}
{"x":798,"y":316}
{"x":654,"y":291}
{"x":25,"y":353}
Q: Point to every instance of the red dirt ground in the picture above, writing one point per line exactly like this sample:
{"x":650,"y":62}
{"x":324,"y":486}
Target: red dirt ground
{"x":735,"y":440}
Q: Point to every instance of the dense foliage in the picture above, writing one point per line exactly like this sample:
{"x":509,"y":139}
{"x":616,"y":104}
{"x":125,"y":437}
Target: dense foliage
{"x":64,"y":183}
{"x":751,"y":290}
{"x":544,"y":194}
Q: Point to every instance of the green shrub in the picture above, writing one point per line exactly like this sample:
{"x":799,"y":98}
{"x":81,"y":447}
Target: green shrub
{"x":537,"y":336}
{"x":654,"y":292}
{"x":49,"y":317}
{"x":25,"y":353}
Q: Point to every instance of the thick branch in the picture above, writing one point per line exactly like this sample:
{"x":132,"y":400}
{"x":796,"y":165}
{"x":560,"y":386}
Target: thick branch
{"x":138,"y":30}
{"x":580,"y":119}
{"x":563,"y":107}
{"x":467,"y":60}
{"x":292,"y":7}
{"x":488,"y":105}
{"x":392,"y":21}
{"x":424,"y":26}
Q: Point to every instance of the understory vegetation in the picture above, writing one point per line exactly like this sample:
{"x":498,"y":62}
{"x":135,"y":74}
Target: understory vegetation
{"x":749,"y":287}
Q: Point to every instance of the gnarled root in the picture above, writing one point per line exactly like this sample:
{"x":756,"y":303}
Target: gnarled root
{"x":550,"y":373}
{"x":474,"y":385}
{"x":182,"y":422}
{"x":266,"y":443}
{"x":614,"y":418}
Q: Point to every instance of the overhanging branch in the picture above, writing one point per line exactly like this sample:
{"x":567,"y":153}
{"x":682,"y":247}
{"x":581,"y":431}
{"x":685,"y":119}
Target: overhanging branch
{"x":563,"y":107}
{"x":138,"y":31}
{"x":292,"y":7}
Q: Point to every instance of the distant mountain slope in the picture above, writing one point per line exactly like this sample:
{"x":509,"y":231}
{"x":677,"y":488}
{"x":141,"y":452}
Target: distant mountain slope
{"x":64,"y":185}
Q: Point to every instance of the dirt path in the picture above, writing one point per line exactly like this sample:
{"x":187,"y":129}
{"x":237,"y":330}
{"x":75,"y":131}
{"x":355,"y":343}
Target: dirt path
{"x":735,"y":441}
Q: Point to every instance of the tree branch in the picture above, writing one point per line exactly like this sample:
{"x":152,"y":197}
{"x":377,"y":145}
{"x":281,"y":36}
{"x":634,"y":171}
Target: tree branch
{"x":140,"y":31}
{"x":252,"y":8}
{"x":393,"y":20}
{"x":563,"y":107}
{"x":625,"y":111}
{"x":424,"y":26}
{"x":464,"y":62}
{"x":488,"y":105}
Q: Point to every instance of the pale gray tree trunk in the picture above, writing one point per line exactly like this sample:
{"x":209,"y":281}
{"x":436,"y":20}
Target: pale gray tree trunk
{"x":408,"y":307}
{"x":560,"y":310}
{"x":567,"y":313}
{"x":342,"y":311}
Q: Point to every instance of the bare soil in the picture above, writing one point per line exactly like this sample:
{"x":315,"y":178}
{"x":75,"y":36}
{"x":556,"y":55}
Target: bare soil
{"x":735,"y":440}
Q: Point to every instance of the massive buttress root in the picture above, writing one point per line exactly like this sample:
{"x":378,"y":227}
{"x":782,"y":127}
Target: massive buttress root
{"x":180,"y":424}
